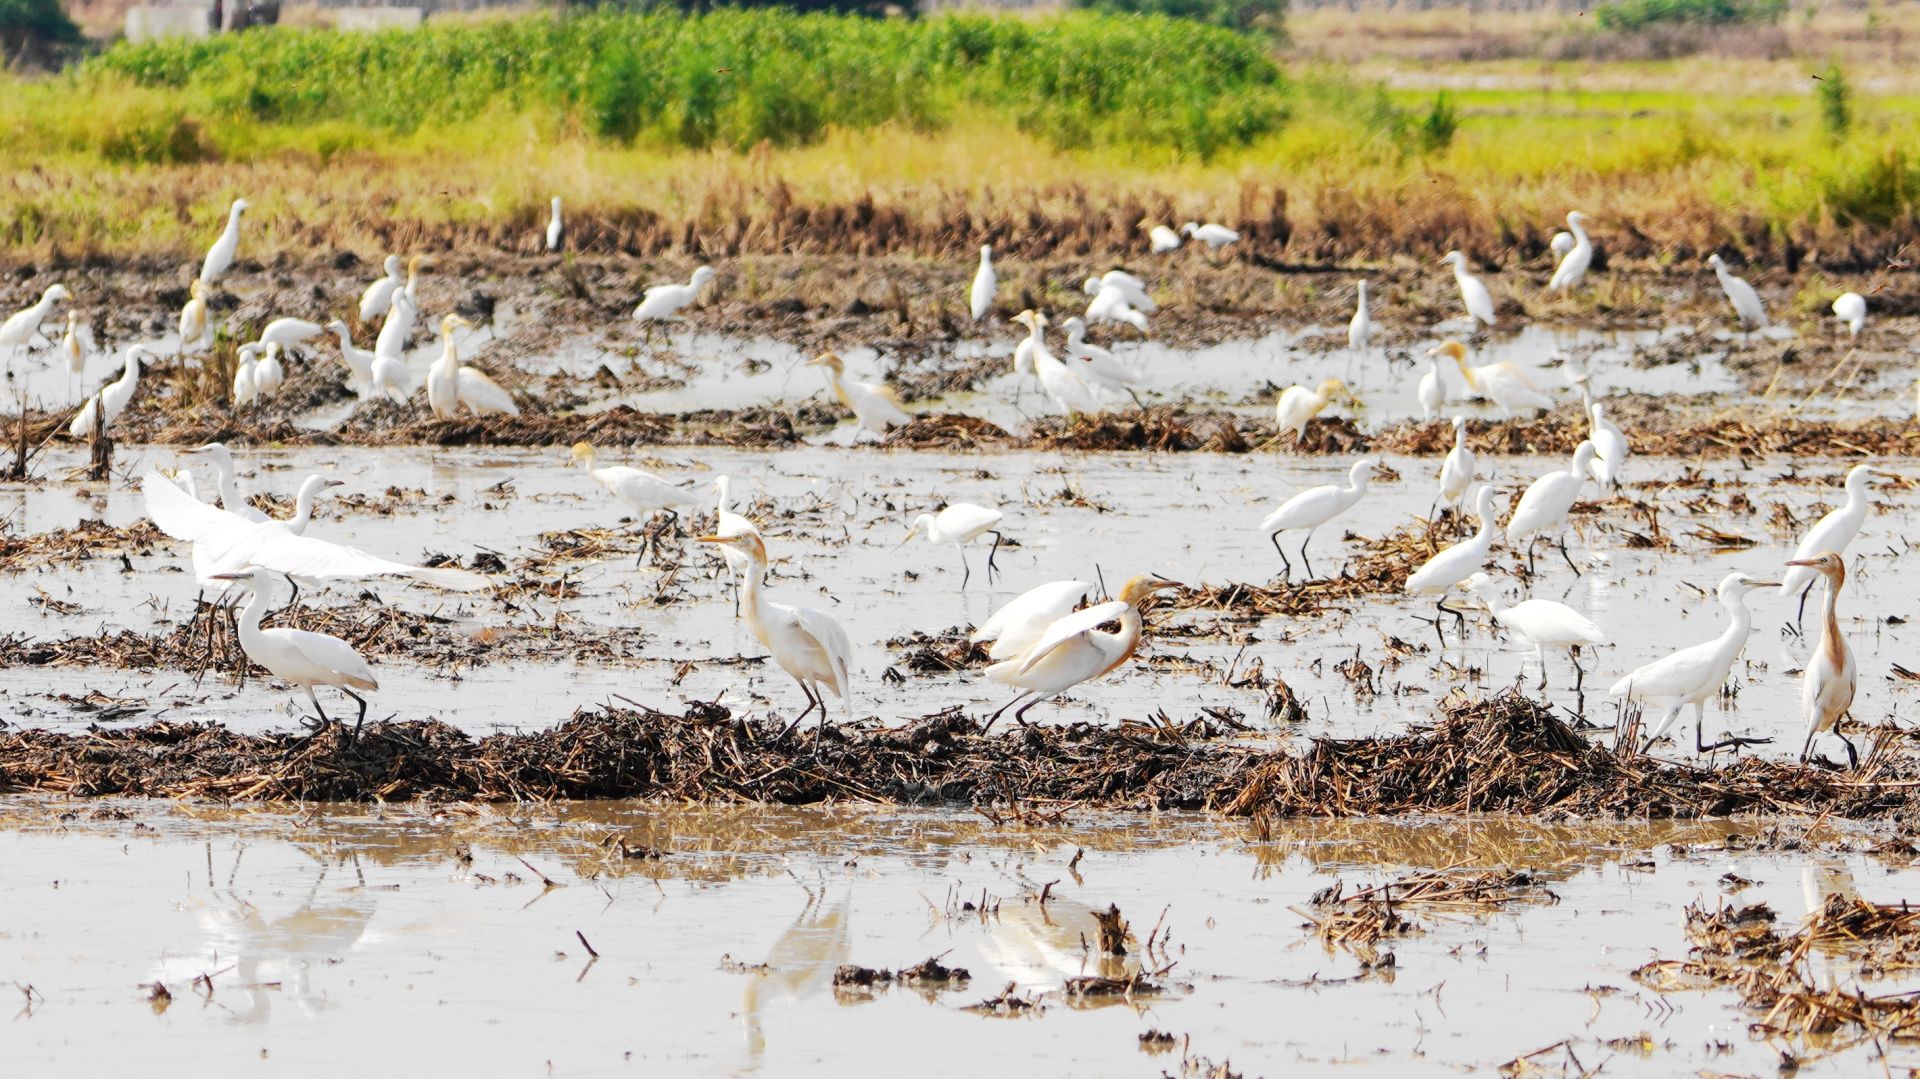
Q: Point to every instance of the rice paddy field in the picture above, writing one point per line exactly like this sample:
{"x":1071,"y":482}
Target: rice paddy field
{"x":1175,"y":761}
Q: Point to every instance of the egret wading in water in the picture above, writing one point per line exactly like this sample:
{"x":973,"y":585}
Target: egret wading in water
{"x":1828,"y":681}
{"x":18,"y":332}
{"x":220,"y":256}
{"x":1297,"y":406}
{"x":1432,"y":391}
{"x":1456,"y":472}
{"x":960,"y":524}
{"x":1013,"y":628}
{"x":1692,"y":675}
{"x":1610,"y":450}
{"x":1851,"y":309}
{"x":642,"y":492}
{"x":874,"y":405}
{"x":980,"y":296}
{"x":112,"y":399}
{"x":1502,"y":383}
{"x":556,"y":228}
{"x":1473,"y":293}
{"x":807,"y":643}
{"x":1832,"y":532}
{"x":1073,"y":648}
{"x":196,"y":327}
{"x":378,"y":298}
{"x":1360,"y":327}
{"x":452,"y":386}
{"x":1541,"y":623}
{"x":730,"y":524}
{"x":1162,"y":239}
{"x":1100,"y":369}
{"x":1573,"y":265}
{"x":1543,"y":508}
{"x":1069,"y":392}
{"x":296,"y":656}
{"x":1746,"y":302}
{"x":1314,"y":507}
{"x":1438,"y":575}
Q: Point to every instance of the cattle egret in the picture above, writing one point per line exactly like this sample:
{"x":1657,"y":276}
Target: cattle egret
{"x":980,"y":296}
{"x":728,"y":523}
{"x":960,"y":524}
{"x":643,"y":492}
{"x":1503,"y":383}
{"x":1121,"y":298}
{"x":1432,"y":391}
{"x":1692,"y":675}
{"x":398,"y":326}
{"x":875,"y":406}
{"x":1473,"y":294}
{"x":1827,"y":683}
{"x":556,"y":229}
{"x":1297,"y":405}
{"x":1360,"y":327}
{"x":662,"y":303}
{"x":1316,"y":506}
{"x":1070,"y":393}
{"x":196,"y":327}
{"x":378,"y":298}
{"x":1162,"y":238}
{"x":1073,"y":649}
{"x":1013,"y":628}
{"x":1573,"y":265}
{"x":220,"y":256}
{"x":1214,"y":236}
{"x":807,"y":643}
{"x":452,"y":386}
{"x":1745,"y":301}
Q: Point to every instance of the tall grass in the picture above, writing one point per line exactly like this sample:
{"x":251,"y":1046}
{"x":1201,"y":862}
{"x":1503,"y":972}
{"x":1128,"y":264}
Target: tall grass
{"x":734,"y":77}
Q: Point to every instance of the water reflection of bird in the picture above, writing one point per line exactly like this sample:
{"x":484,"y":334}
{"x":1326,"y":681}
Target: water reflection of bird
{"x":800,"y":965}
{"x":1039,"y":946}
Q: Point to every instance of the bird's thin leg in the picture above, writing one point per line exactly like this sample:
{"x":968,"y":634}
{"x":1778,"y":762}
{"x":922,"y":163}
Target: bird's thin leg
{"x":1579,"y":672}
{"x":966,"y":571}
{"x":1017,"y":698}
{"x":1284,"y":560}
{"x":1530,"y":544}
{"x":295,"y":598}
{"x":1567,"y":557}
{"x":324,"y":721}
{"x":1731,"y":741}
{"x":1540,"y":654}
{"x":991,"y":568}
{"x":1806,"y":748}
{"x":362,"y":719}
{"x":1137,"y":403}
{"x":1853,"y":756}
{"x":811,"y":702}
{"x":1020,"y":714}
{"x":1802,"y":612}
{"x":1303,"y":554}
{"x":1433,"y":509}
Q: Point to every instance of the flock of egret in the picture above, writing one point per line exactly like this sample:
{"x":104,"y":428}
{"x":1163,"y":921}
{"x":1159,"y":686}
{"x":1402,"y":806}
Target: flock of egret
{"x":1042,"y":642}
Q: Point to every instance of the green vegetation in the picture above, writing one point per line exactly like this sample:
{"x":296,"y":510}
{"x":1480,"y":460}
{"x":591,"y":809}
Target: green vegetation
{"x":31,"y":27}
{"x":728,"y":77}
{"x":1836,"y":101}
{"x":1628,"y":15}
{"x":1266,"y":17}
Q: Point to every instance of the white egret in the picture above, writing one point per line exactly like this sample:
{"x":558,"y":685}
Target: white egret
{"x":1693,"y":674}
{"x":728,"y":523}
{"x":233,"y":543}
{"x":1851,"y":308}
{"x":245,"y":389}
{"x":1314,"y":507}
{"x":112,"y":399}
{"x":1213,"y":235}
{"x":412,"y":288}
{"x":1297,"y":406}
{"x":1543,"y":508}
{"x":980,"y":296}
{"x":1097,"y":367}
{"x":1541,"y":623}
{"x":452,"y":385}
{"x":1609,"y":445}
{"x":290,"y":333}
{"x":1827,"y":684}
{"x":390,"y":378}
{"x":1503,"y":383}
{"x":226,"y":483}
{"x":1013,"y":628}
{"x":1473,"y":293}
{"x":1116,"y":301}
{"x":643,"y":492}
{"x":398,"y":327}
{"x":1060,"y":382}
{"x":1073,"y":649}
{"x":875,"y":406}
{"x":663,"y":302}
{"x":1131,"y":289}
{"x":268,"y":374}
{"x":296,"y":656}
{"x":359,"y":361}
{"x":74,"y":344}
{"x":1439,"y":574}
{"x":1832,"y":532}
{"x":556,"y":229}
{"x":1573,"y":265}
{"x":220,"y":256}
{"x":1746,"y":302}
{"x":1432,"y":391}
{"x":196,"y":326}
{"x":1456,"y":472}
{"x":1562,"y":243}
{"x":378,"y":298}
{"x":1360,"y":327}
{"x":23,"y":325}
{"x":1161,"y":238}
{"x":960,"y":523}
{"x":806,"y":642}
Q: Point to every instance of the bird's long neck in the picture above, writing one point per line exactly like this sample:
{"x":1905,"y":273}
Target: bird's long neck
{"x":753,"y":598}
{"x":302,"y":512}
{"x":1740,"y":621}
{"x":1579,"y":234}
{"x":1484,"y":536}
{"x":724,"y":495}
{"x":131,"y":373}
{"x":1467,"y":372}
{"x":255,"y":610}
{"x":346,"y":341}
{"x":229,"y":491}
{"x":1128,"y":638}
{"x":1831,"y":642}
{"x":1460,"y":438}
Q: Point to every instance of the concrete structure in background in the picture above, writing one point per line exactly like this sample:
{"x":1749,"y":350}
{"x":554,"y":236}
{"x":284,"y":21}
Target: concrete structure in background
{"x":152,"y":21}
{"x":378,"y":18}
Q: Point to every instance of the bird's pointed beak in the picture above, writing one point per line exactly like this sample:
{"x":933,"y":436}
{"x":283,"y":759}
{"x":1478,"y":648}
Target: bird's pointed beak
{"x":246,"y":576}
{"x":710,"y":539}
{"x":1802,"y":562}
{"x":1767,"y":584}
{"x":334,"y":483}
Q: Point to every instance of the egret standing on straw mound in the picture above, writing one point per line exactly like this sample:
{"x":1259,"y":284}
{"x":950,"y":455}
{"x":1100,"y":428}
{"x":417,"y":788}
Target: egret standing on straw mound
{"x":1073,"y":649}
{"x":1827,"y":684}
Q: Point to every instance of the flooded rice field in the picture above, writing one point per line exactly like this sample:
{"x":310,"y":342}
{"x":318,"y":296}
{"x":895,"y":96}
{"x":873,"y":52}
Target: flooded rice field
{"x":747,"y":941}
{"x":1309,"y":824}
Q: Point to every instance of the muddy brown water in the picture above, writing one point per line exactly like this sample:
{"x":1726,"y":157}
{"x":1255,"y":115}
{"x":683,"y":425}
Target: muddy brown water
{"x":302,"y":942}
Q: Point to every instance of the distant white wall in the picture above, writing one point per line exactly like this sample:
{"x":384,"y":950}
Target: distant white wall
{"x":378,"y":18}
{"x":151,"y":21}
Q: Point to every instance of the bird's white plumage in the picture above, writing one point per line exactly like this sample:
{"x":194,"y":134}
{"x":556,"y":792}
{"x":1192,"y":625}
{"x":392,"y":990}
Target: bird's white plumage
{"x":873,"y":404}
{"x":1834,"y":530}
{"x":1851,"y":309}
{"x":663,"y":302}
{"x":1432,"y":391}
{"x":1360,"y":327}
{"x":1573,"y":265}
{"x":23,"y":325}
{"x":398,"y":326}
{"x":1012,"y":629}
{"x":378,"y":298}
{"x":226,"y":481}
{"x":1746,"y":302}
{"x":1316,"y":506}
{"x":1609,"y":446}
{"x":452,"y":386}
{"x":358,"y":361}
{"x":1297,"y":406}
{"x":1693,"y":674}
{"x":1502,"y":383}
{"x":290,"y":332}
{"x":1213,"y":235}
{"x":980,"y":295}
{"x":220,"y":256}
{"x":1112,"y":302}
{"x":112,"y":399}
{"x":556,"y":229}
{"x":1456,"y":563}
{"x":1097,"y":367}
{"x":1456,"y":472}
{"x":1163,"y":239}
{"x":1544,"y":506}
{"x":1473,"y":292}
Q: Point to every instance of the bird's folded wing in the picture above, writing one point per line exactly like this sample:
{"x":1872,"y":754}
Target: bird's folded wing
{"x":831,"y":638}
{"x":478,"y":389}
{"x":1065,"y":629}
{"x":305,"y":556}
{"x":185,"y":517}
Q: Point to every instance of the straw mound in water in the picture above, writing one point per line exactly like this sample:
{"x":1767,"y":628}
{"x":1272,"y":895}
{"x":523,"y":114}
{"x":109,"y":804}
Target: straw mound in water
{"x":1502,"y":754}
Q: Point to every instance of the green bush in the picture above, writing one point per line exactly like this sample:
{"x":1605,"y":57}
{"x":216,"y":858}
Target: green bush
{"x":1626,"y":15}
{"x":737,"y":77}
{"x":1441,"y":121}
{"x":1836,"y":101}
{"x":1262,"y":16}
{"x":1873,"y":190}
